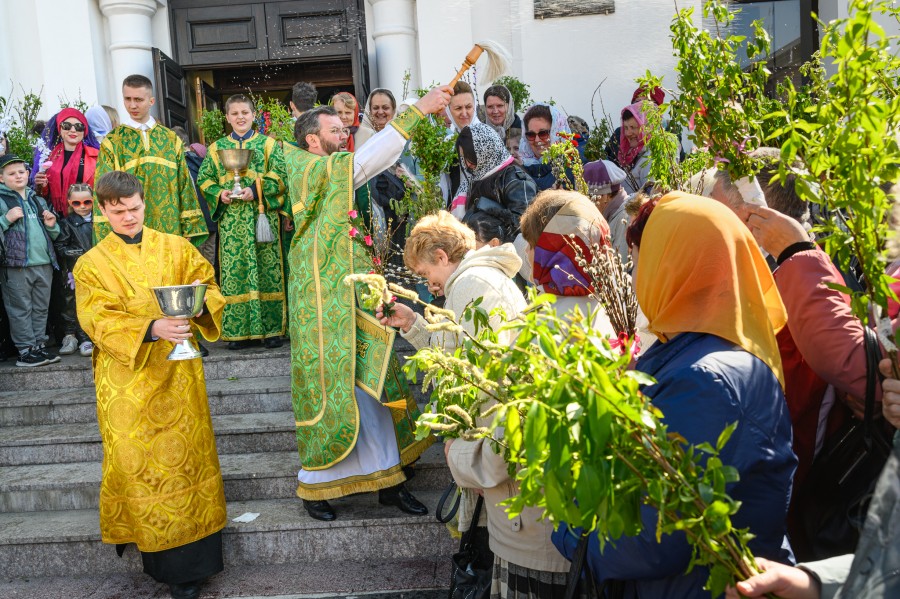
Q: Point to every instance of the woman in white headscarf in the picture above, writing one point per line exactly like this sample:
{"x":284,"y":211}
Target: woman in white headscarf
{"x":100,"y":120}
{"x":381,"y":107}
{"x":499,"y":111}
{"x":542,"y":125}
{"x":463,"y":107}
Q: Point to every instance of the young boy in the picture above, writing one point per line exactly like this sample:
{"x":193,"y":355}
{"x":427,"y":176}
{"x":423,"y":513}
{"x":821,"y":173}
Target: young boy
{"x":74,"y":240}
{"x":252,"y":273}
{"x":29,"y":228}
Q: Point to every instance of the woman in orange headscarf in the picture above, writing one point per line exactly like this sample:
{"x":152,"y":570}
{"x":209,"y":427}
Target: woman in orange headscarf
{"x":709,"y":297}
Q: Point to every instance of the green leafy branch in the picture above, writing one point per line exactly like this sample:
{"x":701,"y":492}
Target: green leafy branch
{"x":212,"y":125}
{"x":846,"y":143}
{"x":720,"y":103}
{"x":581,"y":440}
{"x":563,"y":159}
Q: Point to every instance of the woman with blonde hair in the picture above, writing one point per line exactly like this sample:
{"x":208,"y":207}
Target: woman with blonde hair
{"x":441,"y":250}
{"x":347,"y":108}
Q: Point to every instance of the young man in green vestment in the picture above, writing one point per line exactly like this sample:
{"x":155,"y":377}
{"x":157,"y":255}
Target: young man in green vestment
{"x":355,"y":416}
{"x":155,"y":155}
{"x":252,"y":273}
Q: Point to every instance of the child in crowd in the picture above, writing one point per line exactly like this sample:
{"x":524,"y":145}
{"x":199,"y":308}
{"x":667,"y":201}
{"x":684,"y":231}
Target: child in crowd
{"x":74,"y":240}
{"x":27,"y":270}
{"x":513,"y":139}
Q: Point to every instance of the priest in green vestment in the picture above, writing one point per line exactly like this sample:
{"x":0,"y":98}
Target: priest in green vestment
{"x":252,"y":273}
{"x":155,"y":155}
{"x":355,"y":414}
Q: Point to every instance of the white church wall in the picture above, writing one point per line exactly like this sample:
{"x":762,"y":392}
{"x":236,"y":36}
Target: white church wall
{"x":560,"y":58}
{"x":47,"y":46}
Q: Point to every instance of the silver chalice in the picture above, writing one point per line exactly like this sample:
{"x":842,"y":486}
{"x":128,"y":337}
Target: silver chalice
{"x":236,"y":160}
{"x":181,"y":301}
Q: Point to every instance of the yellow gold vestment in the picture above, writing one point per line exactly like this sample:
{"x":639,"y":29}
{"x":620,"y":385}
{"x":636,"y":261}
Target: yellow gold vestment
{"x":162,"y":487}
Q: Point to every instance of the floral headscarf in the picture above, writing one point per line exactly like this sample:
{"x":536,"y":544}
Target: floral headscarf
{"x":491,"y":156}
{"x":577,"y":223}
{"x":628,"y":153}
{"x":560,"y":123}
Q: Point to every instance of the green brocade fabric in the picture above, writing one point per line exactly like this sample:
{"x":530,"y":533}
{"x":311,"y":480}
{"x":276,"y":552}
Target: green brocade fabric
{"x":158,"y":161}
{"x":322,"y":318}
{"x":252,"y":273}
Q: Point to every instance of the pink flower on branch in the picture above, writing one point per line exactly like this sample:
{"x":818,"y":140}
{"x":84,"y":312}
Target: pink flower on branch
{"x":353,"y":214}
{"x":368,"y":239}
{"x":354,"y":231}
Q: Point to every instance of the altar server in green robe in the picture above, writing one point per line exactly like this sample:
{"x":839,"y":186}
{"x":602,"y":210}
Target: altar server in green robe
{"x":252,"y":271}
{"x":155,"y":155}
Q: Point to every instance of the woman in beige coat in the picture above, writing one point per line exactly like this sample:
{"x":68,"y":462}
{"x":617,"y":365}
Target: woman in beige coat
{"x":441,"y":250}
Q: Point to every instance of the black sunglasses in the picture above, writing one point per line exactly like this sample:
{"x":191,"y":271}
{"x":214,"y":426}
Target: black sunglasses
{"x":543,"y":134}
{"x":79,"y":127}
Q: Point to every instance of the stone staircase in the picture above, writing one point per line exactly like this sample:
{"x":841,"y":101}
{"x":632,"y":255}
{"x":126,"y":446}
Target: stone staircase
{"x":50,"y":455}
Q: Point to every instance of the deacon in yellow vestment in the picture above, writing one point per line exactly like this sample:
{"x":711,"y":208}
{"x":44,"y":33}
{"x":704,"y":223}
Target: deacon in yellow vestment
{"x":161,"y":487}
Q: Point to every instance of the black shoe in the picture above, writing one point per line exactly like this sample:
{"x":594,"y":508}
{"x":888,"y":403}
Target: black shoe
{"x":42,"y":351}
{"x":320,"y":510}
{"x":239,"y":344}
{"x":398,"y":496}
{"x":202,"y":349}
{"x":273,"y":343}
{"x":187,"y":590}
{"x":31,"y":359}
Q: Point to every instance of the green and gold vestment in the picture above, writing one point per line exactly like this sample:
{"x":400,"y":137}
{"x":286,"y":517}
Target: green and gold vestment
{"x":252,"y":274}
{"x":170,"y":200}
{"x":322,"y":321}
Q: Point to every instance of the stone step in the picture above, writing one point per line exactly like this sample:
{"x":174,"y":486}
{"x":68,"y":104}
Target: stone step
{"x":272,"y":475}
{"x":80,"y":441}
{"x":63,"y":542}
{"x":72,"y":372}
{"x":411,"y":578}
{"x":60,"y":406}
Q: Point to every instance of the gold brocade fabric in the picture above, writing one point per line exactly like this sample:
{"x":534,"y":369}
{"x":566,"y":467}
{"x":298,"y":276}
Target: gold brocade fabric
{"x":157,"y":159}
{"x":161,"y":487}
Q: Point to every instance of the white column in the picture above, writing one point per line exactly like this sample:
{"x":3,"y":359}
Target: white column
{"x":394,"y":32}
{"x":130,"y":39}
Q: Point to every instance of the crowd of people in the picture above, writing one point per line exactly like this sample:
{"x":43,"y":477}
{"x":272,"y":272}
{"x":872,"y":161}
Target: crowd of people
{"x":741,"y":320}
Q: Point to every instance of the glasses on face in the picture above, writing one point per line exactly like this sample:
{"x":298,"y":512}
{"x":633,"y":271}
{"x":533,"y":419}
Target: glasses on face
{"x":336,"y":131}
{"x":543,"y":135}
{"x":79,"y":203}
{"x":79,"y":127}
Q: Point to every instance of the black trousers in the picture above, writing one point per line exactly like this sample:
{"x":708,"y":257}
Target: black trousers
{"x":192,"y":562}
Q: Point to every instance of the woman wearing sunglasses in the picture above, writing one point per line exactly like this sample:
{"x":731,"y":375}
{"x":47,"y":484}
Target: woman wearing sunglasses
{"x":73,"y":158}
{"x":543,"y":124}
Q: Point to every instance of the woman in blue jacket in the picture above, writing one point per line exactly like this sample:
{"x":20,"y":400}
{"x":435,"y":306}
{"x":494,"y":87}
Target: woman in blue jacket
{"x":710,"y":299}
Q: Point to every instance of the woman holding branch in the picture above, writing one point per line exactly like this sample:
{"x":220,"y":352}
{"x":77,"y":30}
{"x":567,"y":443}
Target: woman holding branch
{"x":706,"y":289}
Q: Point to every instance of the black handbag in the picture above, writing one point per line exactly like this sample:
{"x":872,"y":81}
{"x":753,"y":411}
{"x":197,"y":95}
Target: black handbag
{"x":444,"y":517}
{"x":472,"y":566}
{"x":578,"y":586}
{"x":835,"y":497}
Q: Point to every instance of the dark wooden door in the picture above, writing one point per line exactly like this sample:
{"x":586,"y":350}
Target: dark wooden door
{"x":171,"y":91}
